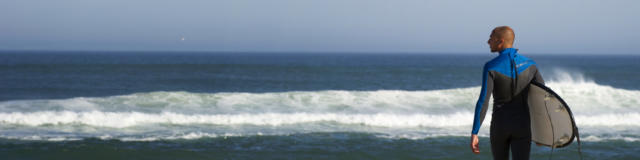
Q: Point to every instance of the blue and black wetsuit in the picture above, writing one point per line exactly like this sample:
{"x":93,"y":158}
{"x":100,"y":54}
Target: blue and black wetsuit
{"x":507,"y":77}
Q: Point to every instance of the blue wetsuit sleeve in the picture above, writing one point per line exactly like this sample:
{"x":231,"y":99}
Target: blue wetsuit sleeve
{"x":483,"y":100}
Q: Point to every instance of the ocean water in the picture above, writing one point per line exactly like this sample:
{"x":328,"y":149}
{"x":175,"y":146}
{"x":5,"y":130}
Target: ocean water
{"x":172,"y":105}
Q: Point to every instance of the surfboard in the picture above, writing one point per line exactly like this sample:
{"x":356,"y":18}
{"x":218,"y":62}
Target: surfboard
{"x":552,"y":122}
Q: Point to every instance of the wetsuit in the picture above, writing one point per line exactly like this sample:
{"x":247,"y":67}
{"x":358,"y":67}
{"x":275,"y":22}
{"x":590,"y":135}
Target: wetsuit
{"x":507,"y":77}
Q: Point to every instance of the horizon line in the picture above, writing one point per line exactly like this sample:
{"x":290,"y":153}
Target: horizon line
{"x":4,"y":51}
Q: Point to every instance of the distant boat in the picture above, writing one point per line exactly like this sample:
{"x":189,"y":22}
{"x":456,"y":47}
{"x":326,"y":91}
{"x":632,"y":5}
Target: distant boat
{"x":182,"y":38}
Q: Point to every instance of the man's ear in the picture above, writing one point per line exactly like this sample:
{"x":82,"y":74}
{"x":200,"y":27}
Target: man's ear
{"x":500,"y":42}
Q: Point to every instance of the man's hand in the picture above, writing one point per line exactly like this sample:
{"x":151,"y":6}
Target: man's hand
{"x":475,"y":148}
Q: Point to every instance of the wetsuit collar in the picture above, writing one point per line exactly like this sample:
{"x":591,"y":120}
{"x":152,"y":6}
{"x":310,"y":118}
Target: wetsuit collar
{"x":509,"y":51}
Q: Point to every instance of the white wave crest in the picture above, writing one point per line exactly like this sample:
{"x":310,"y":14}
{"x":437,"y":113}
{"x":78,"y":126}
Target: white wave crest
{"x":599,"y":111}
{"x":593,"y":138}
{"x":198,"y":135}
{"x":568,"y":77}
{"x":130,"y":119}
{"x":383,"y":101}
{"x":583,"y":98}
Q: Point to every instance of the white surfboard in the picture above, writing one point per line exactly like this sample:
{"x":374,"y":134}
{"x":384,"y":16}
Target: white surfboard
{"x":552,"y":122}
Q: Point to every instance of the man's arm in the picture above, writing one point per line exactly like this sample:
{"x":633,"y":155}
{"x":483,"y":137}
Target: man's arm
{"x":483,"y":100}
{"x":481,"y":107}
{"x":538,"y":78}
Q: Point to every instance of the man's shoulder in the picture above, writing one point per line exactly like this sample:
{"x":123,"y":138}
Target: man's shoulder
{"x":524,"y":61}
{"x":504,"y":62}
{"x":524,"y":58}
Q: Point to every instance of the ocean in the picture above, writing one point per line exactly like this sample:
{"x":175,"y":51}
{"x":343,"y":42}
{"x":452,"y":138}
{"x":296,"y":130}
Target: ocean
{"x":197,"y":105}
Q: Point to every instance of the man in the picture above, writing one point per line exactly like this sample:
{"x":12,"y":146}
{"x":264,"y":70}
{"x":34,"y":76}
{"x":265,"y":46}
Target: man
{"x":506,"y":77}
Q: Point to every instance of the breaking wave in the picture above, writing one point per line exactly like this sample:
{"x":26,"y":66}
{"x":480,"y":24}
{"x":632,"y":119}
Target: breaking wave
{"x":602,"y":113}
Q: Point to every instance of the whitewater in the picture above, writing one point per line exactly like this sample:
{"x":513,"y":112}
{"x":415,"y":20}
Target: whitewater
{"x":602,"y":113}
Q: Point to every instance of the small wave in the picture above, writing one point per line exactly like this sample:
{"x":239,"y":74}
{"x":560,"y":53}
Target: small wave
{"x":187,"y":136}
{"x":200,"y":135}
{"x":593,"y":138}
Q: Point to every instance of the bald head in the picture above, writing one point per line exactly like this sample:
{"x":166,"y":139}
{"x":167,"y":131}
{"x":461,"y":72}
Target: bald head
{"x":505,"y":33}
{"x":501,"y":37}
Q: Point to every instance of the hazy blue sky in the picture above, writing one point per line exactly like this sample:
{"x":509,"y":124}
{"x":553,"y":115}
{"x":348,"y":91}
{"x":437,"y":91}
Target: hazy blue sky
{"x":451,"y":26}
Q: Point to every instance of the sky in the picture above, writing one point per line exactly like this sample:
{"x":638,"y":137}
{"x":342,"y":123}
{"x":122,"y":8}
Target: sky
{"x":359,"y":26}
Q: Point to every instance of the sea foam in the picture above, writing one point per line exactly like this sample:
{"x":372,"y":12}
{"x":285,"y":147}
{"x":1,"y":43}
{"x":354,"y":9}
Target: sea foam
{"x":602,"y":112}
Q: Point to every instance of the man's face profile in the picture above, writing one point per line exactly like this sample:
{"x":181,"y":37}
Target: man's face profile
{"x":493,"y":42}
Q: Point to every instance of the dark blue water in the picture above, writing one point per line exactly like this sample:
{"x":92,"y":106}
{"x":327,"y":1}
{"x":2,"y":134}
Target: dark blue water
{"x":36,"y":75}
{"x":174,"y":105}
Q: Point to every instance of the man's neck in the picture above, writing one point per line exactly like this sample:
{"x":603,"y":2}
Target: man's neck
{"x":505,"y":47}
{"x":507,"y":50}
